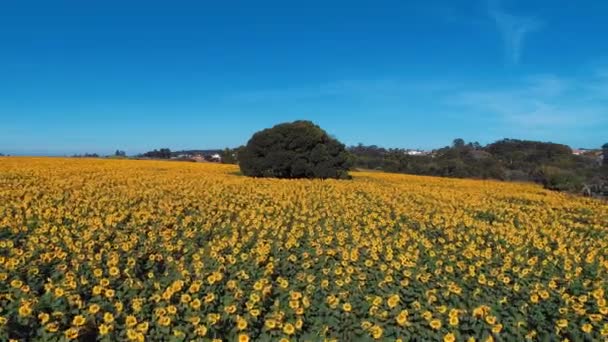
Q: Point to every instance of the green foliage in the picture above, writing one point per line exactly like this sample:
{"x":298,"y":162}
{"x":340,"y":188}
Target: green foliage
{"x":458,"y":143}
{"x":554,"y":178}
{"x":528,"y":155}
{"x":552,"y":165}
{"x":299,"y":149}
{"x":163,"y":153}
{"x":231,"y":155}
{"x":86,"y":155}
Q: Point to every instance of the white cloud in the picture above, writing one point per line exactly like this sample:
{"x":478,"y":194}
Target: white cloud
{"x":539,"y":102}
{"x":547,"y":85}
{"x":513,"y":29}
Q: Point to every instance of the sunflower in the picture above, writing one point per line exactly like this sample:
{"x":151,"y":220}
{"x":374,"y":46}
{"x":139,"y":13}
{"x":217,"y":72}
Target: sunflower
{"x":71,"y":333}
{"x":104,"y":329}
{"x":78,"y":320}
{"x":587,"y":328}
{"x":289,"y":329}
{"x":130,"y":321}
{"x":435,"y":324}
{"x":108,"y":317}
{"x":201,"y":330}
{"x":164,"y":321}
{"x":450,"y":337}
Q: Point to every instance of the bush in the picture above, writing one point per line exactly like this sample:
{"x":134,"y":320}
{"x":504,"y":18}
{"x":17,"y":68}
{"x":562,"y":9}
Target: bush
{"x":299,"y":149}
{"x":554,"y":178}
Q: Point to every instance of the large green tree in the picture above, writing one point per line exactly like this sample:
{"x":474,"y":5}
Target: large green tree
{"x":299,"y":149}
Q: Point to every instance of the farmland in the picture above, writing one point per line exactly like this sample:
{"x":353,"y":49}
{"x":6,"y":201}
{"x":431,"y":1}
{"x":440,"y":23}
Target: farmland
{"x":142,"y":250}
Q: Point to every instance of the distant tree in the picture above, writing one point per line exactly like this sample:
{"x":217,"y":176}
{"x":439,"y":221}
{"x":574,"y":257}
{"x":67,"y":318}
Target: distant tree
{"x":553,"y":165}
{"x":231,"y":155}
{"x":86,"y":155}
{"x":555,"y":178}
{"x":1,"y":155}
{"x":528,"y":155}
{"x":163,"y":153}
{"x":299,"y":149}
{"x":605,"y":154}
{"x":370,"y":157}
{"x":458,"y":143}
{"x":228,"y":156}
{"x":474,"y":145}
{"x":120,"y":153}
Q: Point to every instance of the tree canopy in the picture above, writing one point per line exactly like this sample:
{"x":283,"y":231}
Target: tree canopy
{"x":163,"y":153}
{"x":299,"y":149}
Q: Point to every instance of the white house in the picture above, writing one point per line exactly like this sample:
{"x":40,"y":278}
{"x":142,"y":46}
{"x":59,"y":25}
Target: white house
{"x":414,"y":152}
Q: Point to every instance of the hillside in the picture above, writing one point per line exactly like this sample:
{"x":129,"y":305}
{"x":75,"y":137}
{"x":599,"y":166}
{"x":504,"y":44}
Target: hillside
{"x":555,"y":166}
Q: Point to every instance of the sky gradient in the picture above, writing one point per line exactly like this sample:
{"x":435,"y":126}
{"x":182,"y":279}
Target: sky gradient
{"x":96,"y":76}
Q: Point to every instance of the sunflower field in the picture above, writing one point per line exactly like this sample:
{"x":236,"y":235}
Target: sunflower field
{"x":116,"y":250}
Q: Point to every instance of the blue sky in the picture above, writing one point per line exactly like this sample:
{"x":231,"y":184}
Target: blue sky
{"x":95,"y":76}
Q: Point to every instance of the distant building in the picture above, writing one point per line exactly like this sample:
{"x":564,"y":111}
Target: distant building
{"x":586,"y":151}
{"x":416,"y":153}
{"x":216,"y":157}
{"x":578,"y":152}
{"x":198,"y":158}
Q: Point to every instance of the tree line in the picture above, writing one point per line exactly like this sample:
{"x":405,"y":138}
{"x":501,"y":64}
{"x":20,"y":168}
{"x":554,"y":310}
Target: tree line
{"x":163,"y":153}
{"x":552,"y":165}
{"x":301,"y":149}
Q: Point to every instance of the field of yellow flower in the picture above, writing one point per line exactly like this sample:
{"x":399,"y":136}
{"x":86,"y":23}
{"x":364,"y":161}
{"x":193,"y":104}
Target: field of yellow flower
{"x":150,"y":250}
